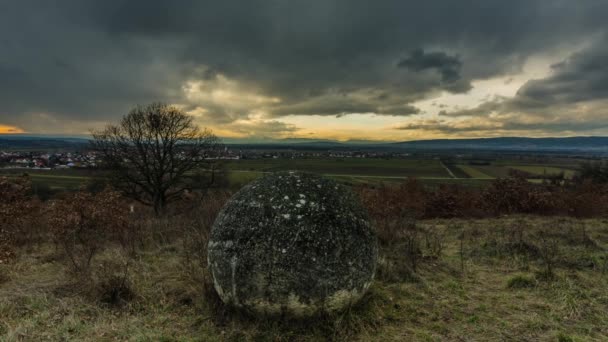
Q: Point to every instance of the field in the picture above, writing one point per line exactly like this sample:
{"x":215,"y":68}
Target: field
{"x":503,"y":277}
{"x":502,"y":168}
{"x":346,"y":166}
{"x":346,"y":170}
{"x":55,"y":180}
{"x":474,"y":285}
{"x":473,"y":172}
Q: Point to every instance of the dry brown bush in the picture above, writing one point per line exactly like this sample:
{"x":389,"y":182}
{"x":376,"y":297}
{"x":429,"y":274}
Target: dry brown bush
{"x":588,"y":200}
{"x":112,"y":284}
{"x":413,"y":199}
{"x":393,"y":211}
{"x":393,"y":201}
{"x":83,"y":223}
{"x":449,"y":201}
{"x":504,"y":196}
{"x":512,"y":195}
{"x":195,"y":232}
{"x":18,"y":215}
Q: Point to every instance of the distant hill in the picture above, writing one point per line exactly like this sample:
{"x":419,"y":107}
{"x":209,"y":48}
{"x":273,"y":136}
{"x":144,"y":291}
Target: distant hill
{"x":34,"y":142}
{"x":589,"y":144}
{"x":570,"y":144}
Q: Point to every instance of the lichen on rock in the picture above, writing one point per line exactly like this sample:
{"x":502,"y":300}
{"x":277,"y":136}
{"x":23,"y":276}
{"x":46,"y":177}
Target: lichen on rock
{"x":292,"y":243}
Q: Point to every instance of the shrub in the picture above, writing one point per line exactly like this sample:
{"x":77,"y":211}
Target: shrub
{"x":17,"y":215}
{"x":549,"y":252}
{"x":112,"y":283}
{"x":434,"y":241}
{"x":449,"y":201}
{"x":507,"y":196}
{"x":393,"y":268}
{"x":515,"y":242}
{"x":587,"y":199}
{"x":503,"y":196}
{"x":197,"y":228}
{"x":388,"y":202}
{"x":82,"y":223}
{"x":594,"y":172}
{"x":195,"y":231}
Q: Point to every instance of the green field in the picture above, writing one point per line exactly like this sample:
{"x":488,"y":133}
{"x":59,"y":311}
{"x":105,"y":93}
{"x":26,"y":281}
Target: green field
{"x":353,"y":171}
{"x":346,"y":166}
{"x":474,"y":172}
{"x":54,"y":179}
{"x":494,"y":171}
{"x":502,"y":169}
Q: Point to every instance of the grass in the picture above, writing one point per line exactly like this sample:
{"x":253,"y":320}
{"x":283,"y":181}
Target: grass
{"x":473,"y":172}
{"x":238,"y":179}
{"x":458,"y":172}
{"x":478,"y":290}
{"x":55,"y":179}
{"x":57,"y":182}
{"x":346,"y":166}
{"x":494,"y":171}
{"x":347,"y":170}
{"x":502,"y":170}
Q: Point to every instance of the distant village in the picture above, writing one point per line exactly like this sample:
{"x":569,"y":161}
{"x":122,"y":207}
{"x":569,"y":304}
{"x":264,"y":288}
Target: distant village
{"x":47,"y":160}
{"x":90,"y":159}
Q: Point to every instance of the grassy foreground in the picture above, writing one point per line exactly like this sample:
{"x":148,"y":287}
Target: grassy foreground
{"x":474,"y":280}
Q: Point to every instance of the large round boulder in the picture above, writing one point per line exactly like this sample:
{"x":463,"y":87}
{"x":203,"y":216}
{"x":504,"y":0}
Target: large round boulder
{"x":292,"y":243}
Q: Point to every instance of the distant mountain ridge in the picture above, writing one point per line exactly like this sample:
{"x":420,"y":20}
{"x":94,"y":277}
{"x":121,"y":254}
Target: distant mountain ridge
{"x":512,"y":143}
{"x":40,"y":142}
{"x":554,"y":144}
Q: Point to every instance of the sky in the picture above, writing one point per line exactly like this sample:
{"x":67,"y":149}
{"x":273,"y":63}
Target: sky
{"x":392,"y":70}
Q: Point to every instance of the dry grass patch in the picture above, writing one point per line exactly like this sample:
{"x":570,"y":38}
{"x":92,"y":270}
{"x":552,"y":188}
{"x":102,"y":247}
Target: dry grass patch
{"x":477,"y":288}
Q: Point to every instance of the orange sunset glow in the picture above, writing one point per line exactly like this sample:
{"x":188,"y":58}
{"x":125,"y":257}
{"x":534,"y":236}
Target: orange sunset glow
{"x":5,"y":129}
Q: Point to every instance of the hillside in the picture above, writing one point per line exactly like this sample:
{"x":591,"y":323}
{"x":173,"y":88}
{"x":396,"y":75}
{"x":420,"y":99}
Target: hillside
{"x":27,"y":142}
{"x":585,"y":144}
{"x":474,"y":280}
{"x":598,"y":145}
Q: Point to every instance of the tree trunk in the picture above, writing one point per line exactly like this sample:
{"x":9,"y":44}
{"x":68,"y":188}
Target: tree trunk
{"x":159,"y":204}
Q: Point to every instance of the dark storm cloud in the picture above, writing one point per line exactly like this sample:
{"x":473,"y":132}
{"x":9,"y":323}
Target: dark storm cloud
{"x":447,"y":66}
{"x":582,"y":77}
{"x":573,"y":99}
{"x":90,"y":60}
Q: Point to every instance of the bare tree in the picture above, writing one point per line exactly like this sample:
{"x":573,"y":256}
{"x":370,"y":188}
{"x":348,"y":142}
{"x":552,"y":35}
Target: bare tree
{"x":153,"y":150}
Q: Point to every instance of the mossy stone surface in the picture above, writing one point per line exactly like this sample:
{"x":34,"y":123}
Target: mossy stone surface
{"x":292,"y":243}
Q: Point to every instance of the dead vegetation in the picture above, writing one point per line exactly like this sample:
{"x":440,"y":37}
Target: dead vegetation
{"x":503,"y":196}
{"x":90,"y":269}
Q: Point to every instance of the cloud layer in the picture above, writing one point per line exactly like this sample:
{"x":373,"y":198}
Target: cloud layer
{"x":249,"y":67}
